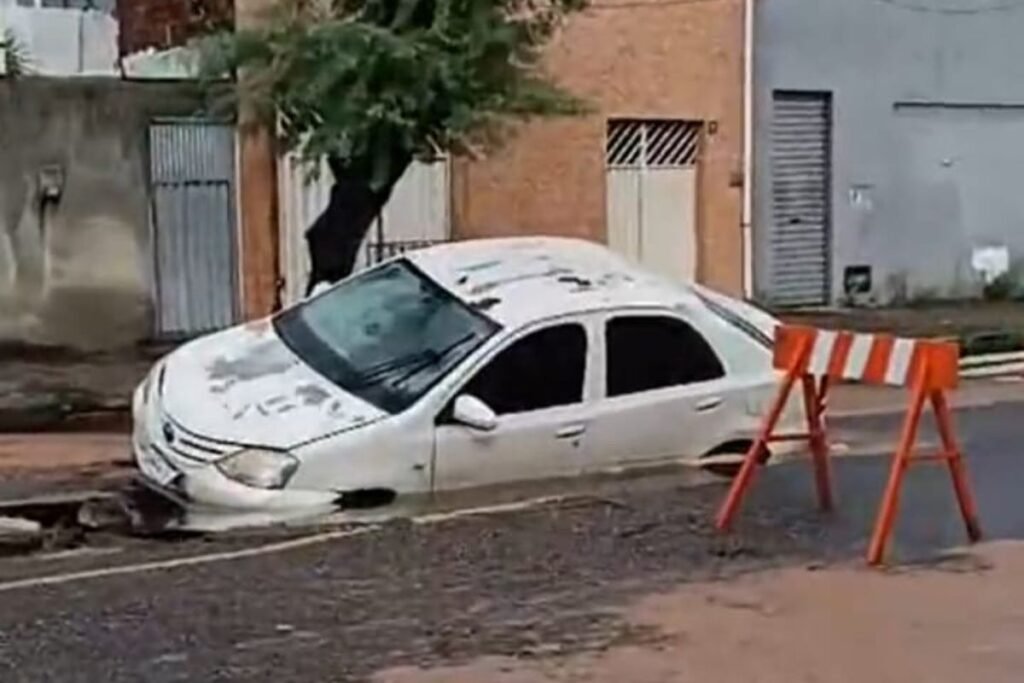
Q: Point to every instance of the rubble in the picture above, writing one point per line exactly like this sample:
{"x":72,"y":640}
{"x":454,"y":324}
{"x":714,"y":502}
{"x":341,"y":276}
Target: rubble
{"x":18,"y":535}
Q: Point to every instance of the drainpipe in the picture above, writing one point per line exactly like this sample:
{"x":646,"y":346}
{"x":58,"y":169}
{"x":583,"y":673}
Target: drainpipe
{"x":81,"y":41}
{"x":748,"y":149}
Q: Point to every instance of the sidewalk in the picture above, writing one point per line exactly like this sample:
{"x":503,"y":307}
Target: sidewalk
{"x":43,"y":464}
{"x":942,"y":624}
{"x":979,"y":326}
{"x":859,"y":399}
{"x":59,"y":390}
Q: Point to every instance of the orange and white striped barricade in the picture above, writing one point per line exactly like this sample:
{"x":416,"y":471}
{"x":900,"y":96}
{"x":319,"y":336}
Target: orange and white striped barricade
{"x":815,"y":358}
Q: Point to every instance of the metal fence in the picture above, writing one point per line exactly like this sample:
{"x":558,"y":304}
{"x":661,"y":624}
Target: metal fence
{"x":193,"y":224}
{"x":381,"y":251}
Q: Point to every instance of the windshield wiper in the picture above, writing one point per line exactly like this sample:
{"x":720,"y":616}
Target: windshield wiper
{"x":413,"y":363}
{"x":433,"y":359}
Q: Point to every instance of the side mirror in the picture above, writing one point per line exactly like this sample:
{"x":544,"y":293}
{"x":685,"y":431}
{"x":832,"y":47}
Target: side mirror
{"x":474,"y":413}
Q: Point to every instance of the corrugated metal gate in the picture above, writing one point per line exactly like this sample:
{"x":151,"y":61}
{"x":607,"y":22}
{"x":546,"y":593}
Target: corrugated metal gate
{"x":415,"y":216}
{"x":192,"y":171}
{"x":651,"y":184}
{"x":800,"y":262}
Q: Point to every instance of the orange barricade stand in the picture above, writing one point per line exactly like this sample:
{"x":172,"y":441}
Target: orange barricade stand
{"x":814,"y":358}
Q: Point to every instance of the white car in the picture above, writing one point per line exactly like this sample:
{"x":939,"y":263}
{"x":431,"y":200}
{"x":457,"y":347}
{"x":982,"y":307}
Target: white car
{"x":463,"y":365}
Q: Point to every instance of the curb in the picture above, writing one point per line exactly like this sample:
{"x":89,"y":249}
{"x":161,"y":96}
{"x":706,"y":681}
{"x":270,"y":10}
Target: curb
{"x":993,"y":365}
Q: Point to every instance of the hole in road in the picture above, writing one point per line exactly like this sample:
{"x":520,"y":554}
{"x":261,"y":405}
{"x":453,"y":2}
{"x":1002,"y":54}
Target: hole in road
{"x":364,"y":499}
{"x":725,"y":459}
{"x":55,"y":524}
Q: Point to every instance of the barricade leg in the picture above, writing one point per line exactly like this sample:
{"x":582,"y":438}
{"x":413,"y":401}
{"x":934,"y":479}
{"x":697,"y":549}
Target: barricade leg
{"x":900,"y":461}
{"x":750,"y":462}
{"x":823,"y":388}
{"x":814,"y":400}
{"x":954,"y":458}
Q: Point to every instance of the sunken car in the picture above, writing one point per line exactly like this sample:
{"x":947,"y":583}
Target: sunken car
{"x":468,"y":364}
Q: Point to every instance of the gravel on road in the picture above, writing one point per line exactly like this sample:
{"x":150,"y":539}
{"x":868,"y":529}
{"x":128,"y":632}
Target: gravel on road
{"x":532,"y":583}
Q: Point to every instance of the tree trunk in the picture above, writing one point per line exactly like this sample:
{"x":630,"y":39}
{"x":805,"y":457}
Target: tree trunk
{"x":336,"y":235}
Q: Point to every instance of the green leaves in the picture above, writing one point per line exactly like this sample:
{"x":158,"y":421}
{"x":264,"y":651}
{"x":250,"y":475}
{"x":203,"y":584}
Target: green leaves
{"x":14,"y":55}
{"x":365,"y":80}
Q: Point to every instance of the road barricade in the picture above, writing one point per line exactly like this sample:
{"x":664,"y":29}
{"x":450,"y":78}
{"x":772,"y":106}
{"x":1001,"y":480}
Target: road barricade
{"x":813,"y":359}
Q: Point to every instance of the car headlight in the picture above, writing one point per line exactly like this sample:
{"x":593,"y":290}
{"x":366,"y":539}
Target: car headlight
{"x":259,"y":468}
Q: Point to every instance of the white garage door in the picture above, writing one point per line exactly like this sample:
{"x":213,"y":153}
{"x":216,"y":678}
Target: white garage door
{"x":651,"y":184}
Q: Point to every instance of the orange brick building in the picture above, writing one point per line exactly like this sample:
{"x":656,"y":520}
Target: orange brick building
{"x":655,"y":169}
{"x":657,"y":61}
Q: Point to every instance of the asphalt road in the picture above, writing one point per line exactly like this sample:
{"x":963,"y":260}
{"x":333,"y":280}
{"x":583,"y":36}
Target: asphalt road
{"x":289,"y":606}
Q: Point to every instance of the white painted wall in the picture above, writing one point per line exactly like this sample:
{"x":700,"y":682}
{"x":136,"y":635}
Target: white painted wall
{"x":417,"y":212}
{"x":63,"y":41}
{"x":176,"y":63}
{"x":927,"y":148}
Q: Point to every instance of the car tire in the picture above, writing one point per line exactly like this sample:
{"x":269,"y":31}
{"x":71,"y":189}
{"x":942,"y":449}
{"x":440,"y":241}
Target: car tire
{"x":725,"y":461}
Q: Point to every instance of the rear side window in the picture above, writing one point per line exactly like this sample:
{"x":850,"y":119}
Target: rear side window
{"x":652,"y":352}
{"x":544,"y":369}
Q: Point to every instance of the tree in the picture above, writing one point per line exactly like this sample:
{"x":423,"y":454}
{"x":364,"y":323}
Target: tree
{"x":14,"y":57}
{"x":371,"y":85}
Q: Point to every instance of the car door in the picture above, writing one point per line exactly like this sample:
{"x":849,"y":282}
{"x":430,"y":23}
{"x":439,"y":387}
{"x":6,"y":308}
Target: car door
{"x":665,"y":392}
{"x":536,"y":385}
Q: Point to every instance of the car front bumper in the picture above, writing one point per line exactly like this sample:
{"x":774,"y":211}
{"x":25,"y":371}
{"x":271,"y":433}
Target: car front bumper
{"x":208,"y":499}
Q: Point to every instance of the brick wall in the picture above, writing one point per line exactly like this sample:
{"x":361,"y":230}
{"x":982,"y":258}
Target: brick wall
{"x":640,"y":59}
{"x":162,"y":24}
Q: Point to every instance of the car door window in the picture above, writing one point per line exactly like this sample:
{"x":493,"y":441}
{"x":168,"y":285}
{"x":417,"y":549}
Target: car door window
{"x":651,"y":352}
{"x":544,"y":369}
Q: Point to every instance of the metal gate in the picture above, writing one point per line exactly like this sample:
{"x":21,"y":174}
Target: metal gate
{"x":651,"y":184}
{"x":801,"y":143}
{"x":192,"y":171}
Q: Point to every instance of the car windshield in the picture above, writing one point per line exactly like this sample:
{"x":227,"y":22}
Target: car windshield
{"x":386,"y":335}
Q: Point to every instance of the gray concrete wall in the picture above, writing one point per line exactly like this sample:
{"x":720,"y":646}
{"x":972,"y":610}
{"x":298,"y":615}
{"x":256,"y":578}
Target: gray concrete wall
{"x":77,"y":272}
{"x":942,"y":177}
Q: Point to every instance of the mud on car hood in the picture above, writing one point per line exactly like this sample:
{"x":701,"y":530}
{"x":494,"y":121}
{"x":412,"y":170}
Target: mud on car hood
{"x":245,"y":386}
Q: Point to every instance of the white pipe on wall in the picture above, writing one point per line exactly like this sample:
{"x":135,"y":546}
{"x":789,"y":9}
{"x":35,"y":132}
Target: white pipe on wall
{"x":748,"y":149}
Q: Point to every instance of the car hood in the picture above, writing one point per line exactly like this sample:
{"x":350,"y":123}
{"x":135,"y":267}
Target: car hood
{"x":245,"y":386}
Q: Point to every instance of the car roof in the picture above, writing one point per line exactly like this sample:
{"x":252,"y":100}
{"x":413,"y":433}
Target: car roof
{"x":520,"y":280}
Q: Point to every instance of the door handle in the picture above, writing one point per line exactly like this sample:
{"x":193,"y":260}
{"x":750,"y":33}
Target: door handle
{"x":570,"y":432}
{"x":707,"y":404}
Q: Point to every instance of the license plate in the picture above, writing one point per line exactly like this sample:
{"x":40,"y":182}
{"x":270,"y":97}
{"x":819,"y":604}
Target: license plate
{"x":156,"y":468}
